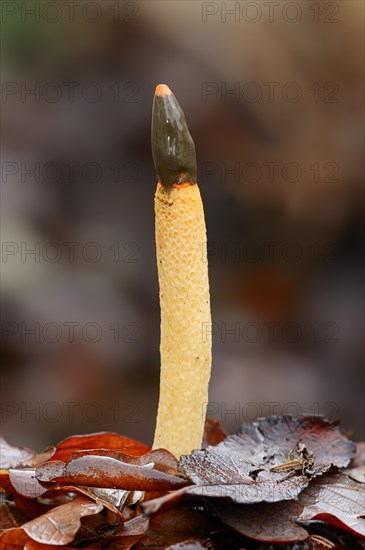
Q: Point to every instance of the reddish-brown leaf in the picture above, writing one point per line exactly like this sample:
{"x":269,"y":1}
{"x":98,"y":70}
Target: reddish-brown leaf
{"x":22,"y":483}
{"x":10,"y":516}
{"x":28,"y":506}
{"x":33,"y":545}
{"x":165,"y":502}
{"x":213,"y":432}
{"x":5,"y":482}
{"x":13,"y":539}
{"x":101,"y":440}
{"x":59,"y":525}
{"x":17,"y":539}
{"x":153,"y":471}
{"x":25,"y":483}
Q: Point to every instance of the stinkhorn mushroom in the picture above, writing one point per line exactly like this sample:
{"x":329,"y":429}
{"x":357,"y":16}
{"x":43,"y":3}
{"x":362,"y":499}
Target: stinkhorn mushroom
{"x":183,"y":280}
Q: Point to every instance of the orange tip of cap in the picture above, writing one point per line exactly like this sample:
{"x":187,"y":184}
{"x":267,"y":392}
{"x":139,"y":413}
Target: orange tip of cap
{"x":163,"y":90}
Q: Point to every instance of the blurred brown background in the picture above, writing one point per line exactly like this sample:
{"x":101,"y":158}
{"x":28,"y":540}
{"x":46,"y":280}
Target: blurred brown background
{"x":273,"y":94}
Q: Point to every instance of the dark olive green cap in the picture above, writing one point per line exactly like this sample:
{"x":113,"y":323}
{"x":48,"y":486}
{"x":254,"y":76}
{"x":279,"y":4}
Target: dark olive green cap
{"x":173,"y":149}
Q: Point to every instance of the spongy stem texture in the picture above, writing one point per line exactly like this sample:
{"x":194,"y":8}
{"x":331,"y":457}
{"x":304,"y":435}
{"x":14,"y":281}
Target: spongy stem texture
{"x":185,"y":318}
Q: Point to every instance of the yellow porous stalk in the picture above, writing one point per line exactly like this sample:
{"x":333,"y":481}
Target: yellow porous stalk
{"x":185,"y":315}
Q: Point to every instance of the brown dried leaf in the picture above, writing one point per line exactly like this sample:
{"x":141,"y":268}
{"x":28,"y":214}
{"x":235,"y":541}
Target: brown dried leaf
{"x":25,"y":483}
{"x":13,"y":539}
{"x":271,"y":523}
{"x":94,"y":528}
{"x":59,"y":525}
{"x":10,"y":516}
{"x":171,"y":528}
{"x":268,"y":460}
{"x":152,"y":471}
{"x":17,"y":539}
{"x":213,"y":432}
{"x":337,"y":500}
{"x":5,"y":484}
{"x":164,"y":503}
{"x":28,"y":506}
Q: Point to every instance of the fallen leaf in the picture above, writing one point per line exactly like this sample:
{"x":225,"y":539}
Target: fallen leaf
{"x":94,"y":528}
{"x":17,"y":539}
{"x":213,"y":432}
{"x":175,"y":527}
{"x":337,"y":500}
{"x":162,"y":459}
{"x":5,"y":484}
{"x":153,"y":471}
{"x":30,"y":507}
{"x":26,"y":505}
{"x":10,"y":516}
{"x":266,"y":460}
{"x":13,"y":539}
{"x":25,"y":483}
{"x":59,"y":525}
{"x":271,"y":523}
